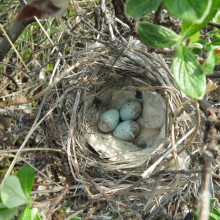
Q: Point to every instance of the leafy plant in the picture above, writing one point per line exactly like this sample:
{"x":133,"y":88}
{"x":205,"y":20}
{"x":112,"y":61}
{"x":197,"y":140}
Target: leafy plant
{"x":26,"y":54}
{"x":15,"y":192}
{"x":214,"y":213}
{"x":189,"y":74}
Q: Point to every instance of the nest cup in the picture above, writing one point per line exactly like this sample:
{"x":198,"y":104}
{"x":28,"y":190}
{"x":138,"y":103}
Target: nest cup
{"x":152,"y":120}
{"x":147,"y":79}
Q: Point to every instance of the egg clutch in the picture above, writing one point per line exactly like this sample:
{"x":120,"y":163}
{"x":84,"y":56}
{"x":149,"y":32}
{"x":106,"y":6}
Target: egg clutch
{"x":127,"y":129}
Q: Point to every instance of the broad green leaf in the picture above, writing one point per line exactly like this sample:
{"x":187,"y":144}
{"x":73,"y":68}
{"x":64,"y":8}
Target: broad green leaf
{"x":25,"y":214}
{"x":213,"y":216}
{"x":201,"y":41}
{"x":212,"y":202}
{"x":140,"y":8}
{"x":7,"y":214}
{"x":196,"y":27}
{"x":33,"y":213}
{"x":188,"y":10}
{"x":214,"y":34}
{"x":209,"y":65}
{"x":215,"y":211}
{"x":12,"y":194}
{"x":2,"y":205}
{"x":185,"y":27}
{"x":37,"y":217}
{"x":210,"y":34}
{"x":194,"y":37}
{"x":75,"y":218}
{"x":156,"y":36}
{"x":195,"y":47}
{"x":188,"y":73}
{"x":213,"y":44}
{"x":26,"y":176}
{"x":196,"y":51}
{"x":216,"y":18}
{"x":208,"y":46}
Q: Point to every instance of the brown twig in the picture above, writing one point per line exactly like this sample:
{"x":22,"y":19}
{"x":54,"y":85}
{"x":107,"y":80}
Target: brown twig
{"x":214,"y":24}
{"x":215,"y":74}
{"x":158,"y":14}
{"x":209,"y":153}
{"x":97,"y":187}
{"x":25,"y":101}
{"x":57,"y":200}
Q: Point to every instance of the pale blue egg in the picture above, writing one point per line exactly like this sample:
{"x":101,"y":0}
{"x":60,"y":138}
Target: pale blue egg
{"x":127,"y":130}
{"x":130,"y":111}
{"x":108,"y":120}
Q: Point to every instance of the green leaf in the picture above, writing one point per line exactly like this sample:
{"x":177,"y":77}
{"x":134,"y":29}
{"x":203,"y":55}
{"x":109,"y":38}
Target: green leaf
{"x":185,"y":27}
{"x":216,"y":18}
{"x":140,"y":8}
{"x":212,"y":44}
{"x":37,"y":217}
{"x":50,"y":67}
{"x":201,"y":41}
{"x":212,"y":201}
{"x":196,"y":51}
{"x":26,"y":176}
{"x":210,"y":34}
{"x":34,"y":213}
{"x":188,"y":10}
{"x":12,"y":194}
{"x":214,"y":34}
{"x":213,"y":216}
{"x":215,"y":211}
{"x":188,"y":73}
{"x":2,"y":205}
{"x":209,"y":65}
{"x":195,"y":47}
{"x":7,"y":214}
{"x":26,"y":54}
{"x":75,"y":218}
{"x":25,"y":214}
{"x":196,"y":27}
{"x":156,"y":36}
{"x":194,"y":37}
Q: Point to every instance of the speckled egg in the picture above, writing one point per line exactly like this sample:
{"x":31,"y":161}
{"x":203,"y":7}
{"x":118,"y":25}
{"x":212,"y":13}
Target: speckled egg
{"x":127,"y":130}
{"x":108,"y":120}
{"x":130,"y":111}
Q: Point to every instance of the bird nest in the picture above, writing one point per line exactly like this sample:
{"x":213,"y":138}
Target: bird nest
{"x":98,"y":174}
{"x":143,"y":175}
{"x":134,"y":178}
